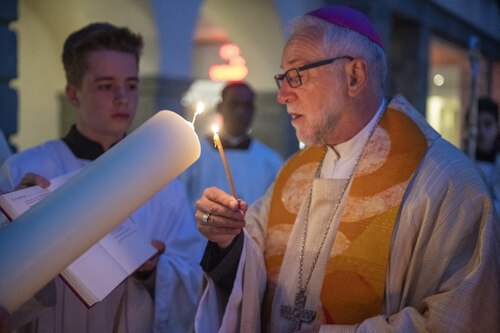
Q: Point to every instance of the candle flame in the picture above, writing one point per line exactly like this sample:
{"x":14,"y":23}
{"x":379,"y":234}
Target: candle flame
{"x":200,"y":107}
{"x":215,"y":128}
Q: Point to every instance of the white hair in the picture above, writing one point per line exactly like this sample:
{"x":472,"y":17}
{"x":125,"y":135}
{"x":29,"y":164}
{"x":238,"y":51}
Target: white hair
{"x":340,"y":41}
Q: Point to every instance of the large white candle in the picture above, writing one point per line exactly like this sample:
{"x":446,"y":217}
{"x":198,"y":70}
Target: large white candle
{"x":39,"y":244}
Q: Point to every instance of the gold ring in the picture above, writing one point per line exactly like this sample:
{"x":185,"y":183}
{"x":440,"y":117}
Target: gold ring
{"x":206,"y":216}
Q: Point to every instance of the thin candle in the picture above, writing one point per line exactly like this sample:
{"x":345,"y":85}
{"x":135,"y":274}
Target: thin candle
{"x":218,"y":145}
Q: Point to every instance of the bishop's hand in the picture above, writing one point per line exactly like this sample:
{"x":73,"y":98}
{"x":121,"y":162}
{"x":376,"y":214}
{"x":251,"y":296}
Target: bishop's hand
{"x":220,"y":217}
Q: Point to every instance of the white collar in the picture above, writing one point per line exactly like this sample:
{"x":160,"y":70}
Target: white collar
{"x":234,"y":140}
{"x":340,"y":159}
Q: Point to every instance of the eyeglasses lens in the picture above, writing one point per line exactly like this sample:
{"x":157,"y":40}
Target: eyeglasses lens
{"x":293,"y":78}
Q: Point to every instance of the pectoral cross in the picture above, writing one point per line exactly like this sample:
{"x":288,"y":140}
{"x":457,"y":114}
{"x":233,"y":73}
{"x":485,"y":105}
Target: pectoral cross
{"x":298,"y":314}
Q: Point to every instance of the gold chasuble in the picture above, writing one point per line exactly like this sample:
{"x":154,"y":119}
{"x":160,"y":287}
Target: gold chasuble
{"x":354,"y":279}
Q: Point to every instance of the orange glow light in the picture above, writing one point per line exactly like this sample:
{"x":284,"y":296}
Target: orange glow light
{"x":236,"y":70}
{"x":229,"y":51}
{"x":227,"y":72}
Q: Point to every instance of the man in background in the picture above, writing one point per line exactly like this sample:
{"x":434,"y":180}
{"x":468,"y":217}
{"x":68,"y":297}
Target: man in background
{"x":4,"y":320}
{"x":101,"y":63}
{"x":487,"y":153}
{"x":253,"y":165}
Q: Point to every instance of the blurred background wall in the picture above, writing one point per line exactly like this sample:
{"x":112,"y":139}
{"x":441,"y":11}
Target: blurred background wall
{"x":429,"y":47}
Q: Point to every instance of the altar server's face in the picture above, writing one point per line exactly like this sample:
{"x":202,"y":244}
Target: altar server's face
{"x":107,"y":97}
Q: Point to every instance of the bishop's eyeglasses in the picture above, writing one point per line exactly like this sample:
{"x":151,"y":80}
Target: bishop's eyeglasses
{"x":293,"y":76}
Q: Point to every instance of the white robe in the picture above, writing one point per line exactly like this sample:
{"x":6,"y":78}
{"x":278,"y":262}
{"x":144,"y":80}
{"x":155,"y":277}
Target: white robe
{"x":253,"y":170}
{"x":444,"y":266}
{"x":166,"y":217}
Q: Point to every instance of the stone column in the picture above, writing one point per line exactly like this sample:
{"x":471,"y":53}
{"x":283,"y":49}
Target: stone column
{"x":8,"y":67}
{"x":160,"y":93}
{"x":272,"y":126}
{"x":409,"y":53}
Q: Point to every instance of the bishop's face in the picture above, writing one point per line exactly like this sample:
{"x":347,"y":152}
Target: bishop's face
{"x":106,"y":100}
{"x":315,"y":106}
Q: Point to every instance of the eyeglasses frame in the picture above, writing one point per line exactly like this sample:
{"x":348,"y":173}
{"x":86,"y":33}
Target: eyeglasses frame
{"x":280,"y":77}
